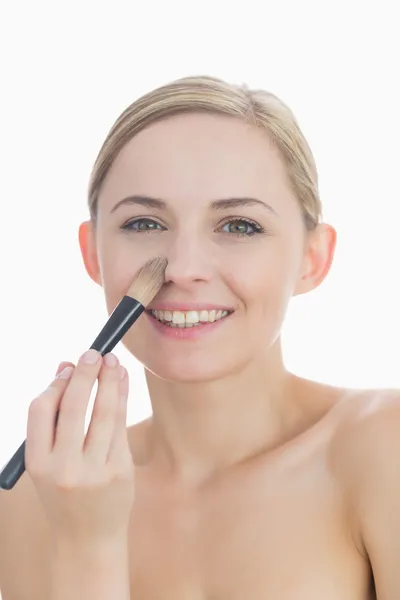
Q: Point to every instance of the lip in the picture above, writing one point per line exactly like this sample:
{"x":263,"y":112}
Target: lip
{"x":185,"y":333}
{"x":186,"y":306}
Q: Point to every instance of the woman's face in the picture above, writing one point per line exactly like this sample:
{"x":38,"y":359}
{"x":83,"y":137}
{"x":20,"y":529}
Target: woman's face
{"x":210,"y":193}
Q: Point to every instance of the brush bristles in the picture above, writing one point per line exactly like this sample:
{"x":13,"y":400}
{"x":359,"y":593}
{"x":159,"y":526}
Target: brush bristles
{"x":148,"y":281}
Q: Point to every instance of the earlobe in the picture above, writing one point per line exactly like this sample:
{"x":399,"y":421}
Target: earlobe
{"x":88,"y":248}
{"x":318,"y":258}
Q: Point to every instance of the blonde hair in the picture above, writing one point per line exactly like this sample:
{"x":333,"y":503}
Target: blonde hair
{"x":209,"y":94}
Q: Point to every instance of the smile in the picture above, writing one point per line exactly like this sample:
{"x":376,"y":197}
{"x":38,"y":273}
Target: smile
{"x":187,"y":319}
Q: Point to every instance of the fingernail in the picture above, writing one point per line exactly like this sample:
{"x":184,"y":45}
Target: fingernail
{"x":58,"y":370}
{"x":65,"y":373}
{"x":110,"y":360}
{"x":121,"y":372}
{"x":90,"y":357}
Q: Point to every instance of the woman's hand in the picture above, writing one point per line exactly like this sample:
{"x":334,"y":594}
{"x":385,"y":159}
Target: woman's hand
{"x":85,"y":483}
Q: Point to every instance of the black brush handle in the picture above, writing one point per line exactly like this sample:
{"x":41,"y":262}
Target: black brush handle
{"x":120,"y":320}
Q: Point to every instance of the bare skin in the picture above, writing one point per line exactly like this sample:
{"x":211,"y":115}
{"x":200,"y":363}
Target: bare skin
{"x":250,"y":482}
{"x":278,"y":525}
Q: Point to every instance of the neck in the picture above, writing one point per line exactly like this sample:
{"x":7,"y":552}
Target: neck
{"x":199,"y":429}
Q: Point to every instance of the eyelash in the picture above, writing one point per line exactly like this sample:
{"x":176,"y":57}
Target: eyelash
{"x":257,"y":229}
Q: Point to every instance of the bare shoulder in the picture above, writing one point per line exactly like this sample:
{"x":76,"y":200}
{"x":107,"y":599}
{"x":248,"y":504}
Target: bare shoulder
{"x":361,"y":427}
{"x":367,"y":431}
{"x":365,"y":458}
{"x":25,"y":550}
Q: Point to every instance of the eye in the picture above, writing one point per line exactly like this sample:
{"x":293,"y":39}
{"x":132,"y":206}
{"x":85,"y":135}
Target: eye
{"x":242,"y":227}
{"x":140,"y":225}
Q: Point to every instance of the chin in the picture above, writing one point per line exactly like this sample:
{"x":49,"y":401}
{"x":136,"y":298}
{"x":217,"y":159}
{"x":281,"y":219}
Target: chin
{"x":187,"y":373}
{"x":189,"y":368}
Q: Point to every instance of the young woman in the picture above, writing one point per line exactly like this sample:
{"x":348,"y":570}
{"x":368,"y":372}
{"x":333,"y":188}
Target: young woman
{"x":247,"y":481}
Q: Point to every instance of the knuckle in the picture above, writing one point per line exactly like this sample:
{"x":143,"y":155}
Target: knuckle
{"x":72,"y":410}
{"x":56,"y":387}
{"x":103,"y":414}
{"x":71,"y":481}
{"x":85,"y":370}
{"x":123,"y":471}
{"x":66,"y":477}
{"x":66,"y":484}
{"x":120,"y":473}
{"x":36,"y":468}
{"x":39,"y":405}
{"x":85,"y":376}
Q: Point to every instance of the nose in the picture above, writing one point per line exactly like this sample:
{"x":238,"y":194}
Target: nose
{"x":189,"y":261}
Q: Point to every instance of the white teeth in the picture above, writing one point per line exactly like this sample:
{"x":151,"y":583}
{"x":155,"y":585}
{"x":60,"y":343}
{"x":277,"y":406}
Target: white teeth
{"x":190,"y":318}
{"x":203,"y":316}
{"x":177,"y":317}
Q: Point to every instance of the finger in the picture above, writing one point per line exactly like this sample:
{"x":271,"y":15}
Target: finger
{"x":62,"y":366}
{"x":41,"y":421}
{"x":119,"y":447}
{"x":66,"y":375}
{"x":102,"y":423}
{"x":70,"y":432}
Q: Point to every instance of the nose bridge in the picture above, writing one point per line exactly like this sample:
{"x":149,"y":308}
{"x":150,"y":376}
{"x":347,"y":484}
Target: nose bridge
{"x":189,"y":257}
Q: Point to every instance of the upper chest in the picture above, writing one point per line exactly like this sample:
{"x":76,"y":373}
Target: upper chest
{"x":278,"y":528}
{"x":269,"y":529}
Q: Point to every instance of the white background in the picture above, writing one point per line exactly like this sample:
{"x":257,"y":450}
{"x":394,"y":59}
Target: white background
{"x":67,"y":71}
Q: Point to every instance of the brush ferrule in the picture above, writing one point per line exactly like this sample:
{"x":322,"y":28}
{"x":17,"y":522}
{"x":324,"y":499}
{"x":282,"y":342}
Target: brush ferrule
{"x":120,"y":320}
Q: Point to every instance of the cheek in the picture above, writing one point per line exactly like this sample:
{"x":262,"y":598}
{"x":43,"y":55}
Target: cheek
{"x":119,"y":267}
{"x":264,"y":278}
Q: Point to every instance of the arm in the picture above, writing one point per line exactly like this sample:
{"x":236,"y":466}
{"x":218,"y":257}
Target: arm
{"x":30,"y":561}
{"x":375,"y":462}
{"x":93,"y":573}
{"x":25,"y":549}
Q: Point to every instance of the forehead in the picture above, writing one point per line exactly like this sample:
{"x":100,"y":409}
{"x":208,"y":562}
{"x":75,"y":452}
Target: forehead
{"x":199,"y":155}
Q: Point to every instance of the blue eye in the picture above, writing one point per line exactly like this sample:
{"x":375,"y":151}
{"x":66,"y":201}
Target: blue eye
{"x":242,"y":227}
{"x":140,"y":225}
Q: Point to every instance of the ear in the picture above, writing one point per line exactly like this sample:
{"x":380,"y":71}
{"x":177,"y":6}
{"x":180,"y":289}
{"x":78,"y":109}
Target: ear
{"x":319,"y":252}
{"x":87,"y":242}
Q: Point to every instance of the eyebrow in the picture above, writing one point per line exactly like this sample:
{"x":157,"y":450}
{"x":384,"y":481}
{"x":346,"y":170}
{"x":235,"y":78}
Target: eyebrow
{"x":223,"y":204}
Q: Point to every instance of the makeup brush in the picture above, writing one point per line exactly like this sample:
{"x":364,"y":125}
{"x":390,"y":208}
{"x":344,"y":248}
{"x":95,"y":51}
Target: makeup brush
{"x":143,"y":289}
